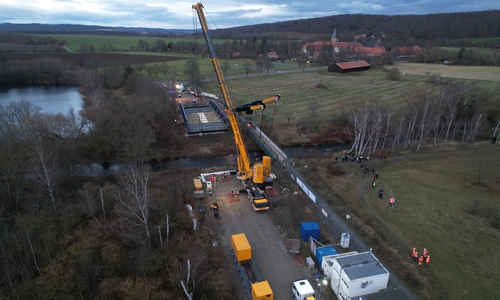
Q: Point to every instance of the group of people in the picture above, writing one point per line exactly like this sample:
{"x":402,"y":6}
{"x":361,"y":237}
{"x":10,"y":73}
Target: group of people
{"x":424,"y":259}
{"x":351,"y":157}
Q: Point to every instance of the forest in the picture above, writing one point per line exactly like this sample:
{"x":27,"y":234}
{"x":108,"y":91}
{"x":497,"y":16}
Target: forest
{"x":428,"y":30}
{"x":71,"y":235}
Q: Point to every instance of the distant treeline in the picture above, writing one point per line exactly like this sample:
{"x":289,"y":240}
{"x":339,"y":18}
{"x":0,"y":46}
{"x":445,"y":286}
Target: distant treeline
{"x":428,"y":30}
{"x":28,"y":40}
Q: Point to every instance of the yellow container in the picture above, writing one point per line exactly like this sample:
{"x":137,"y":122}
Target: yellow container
{"x":241,"y":247}
{"x":197,"y":184}
{"x":262,"y":291}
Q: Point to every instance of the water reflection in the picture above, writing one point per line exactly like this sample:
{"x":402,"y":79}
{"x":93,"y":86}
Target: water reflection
{"x":191,"y":163}
{"x":52,"y":98}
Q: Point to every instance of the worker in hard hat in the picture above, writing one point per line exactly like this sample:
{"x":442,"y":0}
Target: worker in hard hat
{"x":415,"y":254}
{"x":391,"y":202}
{"x":425,"y":253}
{"x":420,"y":260}
{"x":427,"y":260}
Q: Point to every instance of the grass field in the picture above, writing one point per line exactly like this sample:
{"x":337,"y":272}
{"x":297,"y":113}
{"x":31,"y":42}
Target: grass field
{"x":121,"y":43}
{"x":458,"y":72}
{"x":435,"y":196}
{"x":301,"y":98}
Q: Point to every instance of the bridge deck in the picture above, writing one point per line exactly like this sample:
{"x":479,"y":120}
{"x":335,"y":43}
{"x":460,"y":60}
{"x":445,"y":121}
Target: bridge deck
{"x":203,"y":119}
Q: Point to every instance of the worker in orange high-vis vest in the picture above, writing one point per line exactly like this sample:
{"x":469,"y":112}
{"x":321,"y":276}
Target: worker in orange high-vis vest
{"x":420,"y":260}
{"x":425,"y":253}
{"x":427,"y":260}
{"x":391,"y":202}
{"x":415,"y":256}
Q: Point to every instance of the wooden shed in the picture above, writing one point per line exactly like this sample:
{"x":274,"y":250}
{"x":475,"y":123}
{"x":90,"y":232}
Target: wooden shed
{"x":350,"y":66}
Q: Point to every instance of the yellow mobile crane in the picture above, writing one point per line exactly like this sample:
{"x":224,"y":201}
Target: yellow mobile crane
{"x":259,"y":172}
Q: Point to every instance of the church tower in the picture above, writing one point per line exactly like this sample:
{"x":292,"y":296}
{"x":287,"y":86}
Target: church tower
{"x":334,"y":38}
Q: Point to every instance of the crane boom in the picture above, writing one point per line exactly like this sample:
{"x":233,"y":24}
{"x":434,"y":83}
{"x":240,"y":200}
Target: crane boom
{"x":259,"y":172}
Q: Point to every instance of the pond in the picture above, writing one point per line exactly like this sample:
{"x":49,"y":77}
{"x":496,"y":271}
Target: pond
{"x":52,"y":98}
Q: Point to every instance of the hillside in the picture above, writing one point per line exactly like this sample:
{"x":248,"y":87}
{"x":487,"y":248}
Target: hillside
{"x":396,"y":30}
{"x":87,"y":29}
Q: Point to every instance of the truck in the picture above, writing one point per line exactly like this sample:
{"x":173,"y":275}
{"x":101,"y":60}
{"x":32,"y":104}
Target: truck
{"x":259,"y":172}
{"x":255,"y":286}
{"x":257,"y":198}
{"x":302,"y":290}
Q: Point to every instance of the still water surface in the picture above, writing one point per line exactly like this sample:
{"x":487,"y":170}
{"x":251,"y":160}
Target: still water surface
{"x":52,"y":98}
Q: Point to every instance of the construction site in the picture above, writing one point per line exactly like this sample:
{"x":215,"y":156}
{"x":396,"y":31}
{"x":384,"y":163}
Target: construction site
{"x":282,"y":236}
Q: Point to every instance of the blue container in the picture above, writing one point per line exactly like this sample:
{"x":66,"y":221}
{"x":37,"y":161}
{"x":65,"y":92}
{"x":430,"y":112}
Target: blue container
{"x":309,"y":229}
{"x":324,"y":251}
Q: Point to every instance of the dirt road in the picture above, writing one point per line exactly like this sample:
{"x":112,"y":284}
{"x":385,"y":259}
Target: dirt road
{"x":269,"y":249}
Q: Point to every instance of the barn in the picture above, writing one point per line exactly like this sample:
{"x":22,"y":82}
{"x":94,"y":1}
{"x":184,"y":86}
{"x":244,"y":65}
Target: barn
{"x":350,"y":66}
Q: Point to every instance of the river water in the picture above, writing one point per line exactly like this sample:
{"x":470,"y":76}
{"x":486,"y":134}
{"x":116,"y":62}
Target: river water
{"x":205,"y":162}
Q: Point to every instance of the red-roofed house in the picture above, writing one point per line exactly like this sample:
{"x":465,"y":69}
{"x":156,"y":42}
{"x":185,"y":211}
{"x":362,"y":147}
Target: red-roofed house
{"x":404,"y":52}
{"x":317,"y":47}
{"x":272,"y":55}
{"x":336,"y":46}
{"x":371,"y":51}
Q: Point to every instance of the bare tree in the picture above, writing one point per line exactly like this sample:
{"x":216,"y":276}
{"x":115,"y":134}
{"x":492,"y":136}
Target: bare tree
{"x":192,"y":280}
{"x":248,"y":67}
{"x":165,"y":69}
{"x":192,"y":71}
{"x":135,"y":198}
{"x":45,"y":169}
{"x":225,"y":66}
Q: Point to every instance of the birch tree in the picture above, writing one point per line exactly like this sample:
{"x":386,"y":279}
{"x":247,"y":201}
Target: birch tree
{"x":192,"y":276}
{"x":45,"y":170}
{"x":135,"y":199}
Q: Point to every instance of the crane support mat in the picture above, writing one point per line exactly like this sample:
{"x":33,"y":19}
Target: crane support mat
{"x":293,"y":246}
{"x":271,"y":192}
{"x":231,"y":197}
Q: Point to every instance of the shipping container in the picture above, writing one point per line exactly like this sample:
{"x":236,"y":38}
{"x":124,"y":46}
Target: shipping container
{"x":197,"y":184}
{"x":308,"y":230}
{"x":324,"y":251}
{"x":262,"y":291}
{"x":241,"y":247}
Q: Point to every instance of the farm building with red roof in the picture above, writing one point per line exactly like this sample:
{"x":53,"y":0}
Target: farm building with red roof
{"x":350,"y":66}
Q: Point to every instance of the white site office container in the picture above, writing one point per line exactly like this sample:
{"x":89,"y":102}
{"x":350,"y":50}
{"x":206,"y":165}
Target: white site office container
{"x":357,"y":275}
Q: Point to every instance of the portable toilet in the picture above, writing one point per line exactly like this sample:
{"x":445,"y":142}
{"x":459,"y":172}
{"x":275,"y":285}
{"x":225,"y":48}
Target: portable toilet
{"x":324,"y":251}
{"x":309,"y":229}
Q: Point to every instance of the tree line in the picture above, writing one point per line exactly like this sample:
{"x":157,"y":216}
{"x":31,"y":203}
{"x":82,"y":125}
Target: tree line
{"x":450,"y":113}
{"x":429,"y":30}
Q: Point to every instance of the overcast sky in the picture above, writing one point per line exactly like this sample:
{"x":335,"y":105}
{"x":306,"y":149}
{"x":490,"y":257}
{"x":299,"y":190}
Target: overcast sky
{"x":178,"y":14}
